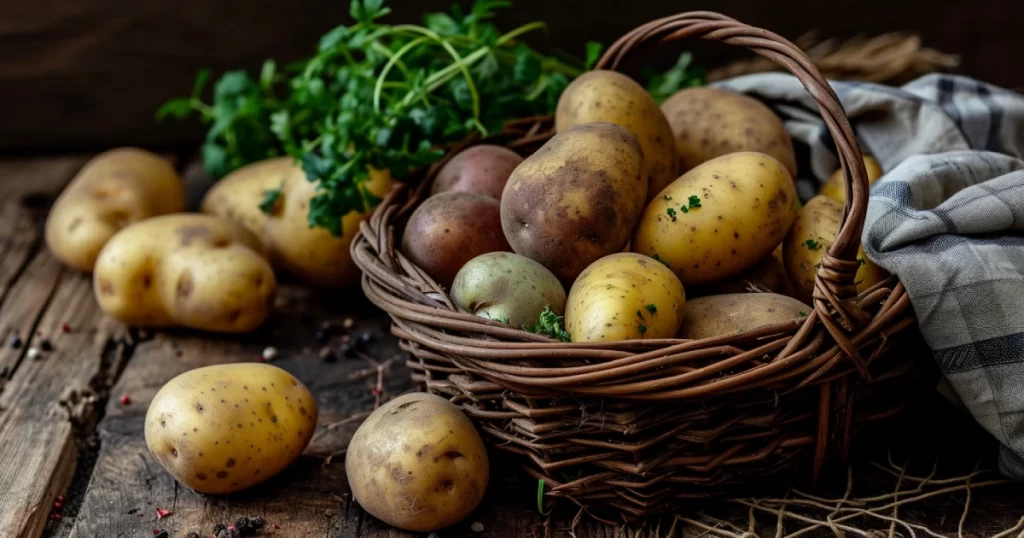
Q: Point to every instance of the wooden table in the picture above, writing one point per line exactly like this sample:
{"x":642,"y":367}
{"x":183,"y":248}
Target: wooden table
{"x":73,"y":461}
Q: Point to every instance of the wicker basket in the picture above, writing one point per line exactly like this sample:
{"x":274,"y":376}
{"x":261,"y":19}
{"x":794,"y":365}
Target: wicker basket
{"x":624,"y":429}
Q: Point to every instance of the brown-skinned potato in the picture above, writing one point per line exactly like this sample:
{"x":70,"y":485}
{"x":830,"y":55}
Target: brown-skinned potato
{"x":711,"y":122}
{"x":609,"y":96}
{"x":719,"y":315}
{"x":451,"y":228}
{"x":576,"y":199}
{"x":482,"y":169}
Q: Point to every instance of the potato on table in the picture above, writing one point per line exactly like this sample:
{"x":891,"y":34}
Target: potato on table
{"x":187,"y":270}
{"x":609,"y":96}
{"x":507,"y":287}
{"x":113,"y":190}
{"x":718,"y":315}
{"x":417,"y":464}
{"x":813,"y":232}
{"x":449,"y":229}
{"x":720,"y":218}
{"x":624,"y":296}
{"x":576,"y":199}
{"x":224,"y":428}
{"x":711,"y":122}
{"x":482,"y":169}
{"x":314,"y":255}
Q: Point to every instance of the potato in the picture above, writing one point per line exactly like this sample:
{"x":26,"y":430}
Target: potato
{"x":624,"y":296}
{"x":224,"y":428}
{"x":576,"y":199}
{"x":314,"y":255}
{"x":813,"y":232}
{"x":720,"y":218}
{"x":717,"y":315}
{"x":769,"y":274}
{"x":711,"y":122}
{"x":113,"y":190}
{"x":835,"y":187}
{"x":417,"y":464}
{"x":507,"y":287}
{"x":451,"y":228}
{"x":608,"y":96}
{"x":187,"y":270}
{"x":482,"y":169}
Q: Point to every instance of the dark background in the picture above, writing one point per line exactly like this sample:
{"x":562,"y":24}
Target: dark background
{"x":88,"y":74}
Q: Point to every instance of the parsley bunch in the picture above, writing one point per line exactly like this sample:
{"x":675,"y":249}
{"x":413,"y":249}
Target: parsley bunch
{"x":377,"y":95}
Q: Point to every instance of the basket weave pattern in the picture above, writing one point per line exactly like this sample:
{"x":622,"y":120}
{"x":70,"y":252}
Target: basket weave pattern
{"x":631,"y":426}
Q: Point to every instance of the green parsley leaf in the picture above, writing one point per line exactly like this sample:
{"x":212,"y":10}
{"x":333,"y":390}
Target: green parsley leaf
{"x":641,"y":328}
{"x":671,"y":213}
{"x":802,"y":314}
{"x":594,"y":50}
{"x":812,"y":244}
{"x":684,"y":209}
{"x":271,"y":197}
{"x":180,"y":108}
{"x":681,"y":75}
{"x":652,"y":308}
{"x":658,"y":258}
{"x":694,"y":201}
{"x":862,"y":261}
{"x":550,"y":324}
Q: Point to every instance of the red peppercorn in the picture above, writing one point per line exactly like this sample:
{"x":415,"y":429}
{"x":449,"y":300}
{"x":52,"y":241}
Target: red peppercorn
{"x":58,"y":505}
{"x":64,"y":327}
{"x":56,"y":516}
{"x":125,"y":399}
{"x":161,"y":513}
{"x":60,"y":498}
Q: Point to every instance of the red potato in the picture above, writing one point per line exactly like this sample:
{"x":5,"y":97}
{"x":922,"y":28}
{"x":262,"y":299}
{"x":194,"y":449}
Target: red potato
{"x":450,"y":229}
{"x":482,"y":169}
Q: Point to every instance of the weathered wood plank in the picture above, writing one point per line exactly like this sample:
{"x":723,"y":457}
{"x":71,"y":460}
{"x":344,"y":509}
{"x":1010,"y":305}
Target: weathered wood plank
{"x":46,"y":397}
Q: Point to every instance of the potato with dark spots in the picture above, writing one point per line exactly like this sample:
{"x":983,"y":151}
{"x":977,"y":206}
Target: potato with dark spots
{"x":451,"y":228}
{"x":609,"y":96}
{"x":814,"y":231}
{"x":624,"y":296}
{"x":313,"y":254}
{"x":185,"y":270}
{"x":483,"y":169}
{"x":507,"y":287}
{"x":113,"y":190}
{"x":417,"y":463}
{"x":711,"y":122}
{"x":720,"y":218}
{"x":835,"y":187}
{"x":576,"y":199}
{"x":719,"y":315}
{"x":224,"y":428}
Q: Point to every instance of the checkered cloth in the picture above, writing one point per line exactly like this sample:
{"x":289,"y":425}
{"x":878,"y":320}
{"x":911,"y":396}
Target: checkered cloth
{"x":947,"y":218}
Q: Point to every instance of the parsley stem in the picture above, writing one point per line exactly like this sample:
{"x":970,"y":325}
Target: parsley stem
{"x":512,"y":34}
{"x":391,"y":63}
{"x":460,"y":64}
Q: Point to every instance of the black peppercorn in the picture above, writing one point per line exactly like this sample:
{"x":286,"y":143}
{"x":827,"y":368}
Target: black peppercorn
{"x":193,"y":535}
{"x":219,"y":528}
{"x":45,"y":345}
{"x":257,"y":523}
{"x":346,"y":350}
{"x":161,"y":534}
{"x":366,"y":337}
{"x":16,"y":342}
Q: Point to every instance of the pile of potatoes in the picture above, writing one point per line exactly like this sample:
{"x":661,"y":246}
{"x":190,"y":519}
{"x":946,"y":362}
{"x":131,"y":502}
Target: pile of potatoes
{"x":627,"y":210}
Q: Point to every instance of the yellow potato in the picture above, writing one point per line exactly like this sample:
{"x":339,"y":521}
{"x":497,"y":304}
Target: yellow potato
{"x":417,"y":464}
{"x":624,"y":296}
{"x":187,"y":270}
{"x":813,"y":232}
{"x":835,"y":187}
{"x":717,"y":315}
{"x":608,"y":96}
{"x":576,"y":199}
{"x":113,"y":190}
{"x":720,"y":218}
{"x":312,"y":254}
{"x":224,"y":428}
{"x":711,"y":122}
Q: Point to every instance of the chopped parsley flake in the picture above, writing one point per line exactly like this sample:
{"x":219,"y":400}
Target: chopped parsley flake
{"x":694,"y":201}
{"x":671,"y":213}
{"x":641,"y":328}
{"x":812,"y":244}
{"x":652,"y":308}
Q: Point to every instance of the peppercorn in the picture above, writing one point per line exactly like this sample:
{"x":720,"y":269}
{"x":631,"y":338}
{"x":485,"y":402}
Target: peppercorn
{"x":45,"y":345}
{"x":347,"y":350}
{"x":327,"y":355}
{"x":161,"y":534}
{"x":16,"y":342}
{"x":193,"y":535}
{"x":366,"y":337}
{"x":257,"y":523}
{"x":219,"y":528}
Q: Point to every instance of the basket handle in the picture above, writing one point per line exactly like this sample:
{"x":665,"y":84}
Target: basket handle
{"x":834,"y":290}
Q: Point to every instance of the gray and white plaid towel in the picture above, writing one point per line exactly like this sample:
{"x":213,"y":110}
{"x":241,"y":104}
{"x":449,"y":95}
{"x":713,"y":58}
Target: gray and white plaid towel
{"x":947,"y":218}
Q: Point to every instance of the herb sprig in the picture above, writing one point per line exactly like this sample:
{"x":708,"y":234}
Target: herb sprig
{"x":377,"y":95}
{"x":550,"y":324}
